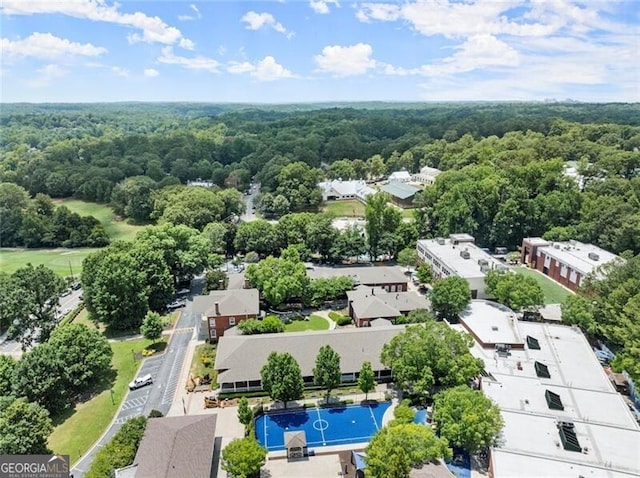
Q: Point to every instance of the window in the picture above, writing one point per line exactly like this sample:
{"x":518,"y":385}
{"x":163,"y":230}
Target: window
{"x":573,"y":277}
{"x":212,"y":321}
{"x":212,"y":333}
{"x":563,"y":270}
{"x":232,"y":321}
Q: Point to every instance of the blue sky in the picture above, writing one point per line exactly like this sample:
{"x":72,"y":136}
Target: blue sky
{"x":319,"y":50}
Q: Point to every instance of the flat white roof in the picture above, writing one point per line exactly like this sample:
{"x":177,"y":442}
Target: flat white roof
{"x":530,"y":442}
{"x":604,"y":447}
{"x":576,"y":255}
{"x":448,"y":254}
{"x":491,"y":323}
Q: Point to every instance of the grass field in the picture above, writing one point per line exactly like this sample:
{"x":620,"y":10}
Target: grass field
{"x":553,"y":293}
{"x":346,"y":208}
{"x":116,"y":230}
{"x":315,"y":322}
{"x":82,"y":426}
{"x":64,"y":261}
{"x":198,"y":368}
{"x":61,"y":261}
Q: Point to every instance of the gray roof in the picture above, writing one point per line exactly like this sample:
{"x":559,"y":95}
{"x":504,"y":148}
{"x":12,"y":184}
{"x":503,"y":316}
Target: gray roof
{"x":230,"y":302}
{"x":400,"y":190}
{"x":363,"y":275}
{"x":175,"y":447}
{"x":370,"y":303}
{"x":241,"y":357}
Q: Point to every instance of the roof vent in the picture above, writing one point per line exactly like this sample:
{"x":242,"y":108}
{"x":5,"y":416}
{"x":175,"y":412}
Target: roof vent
{"x":542,"y":370}
{"x":593,"y":256}
{"x":465,"y":254}
{"x":440,"y":240}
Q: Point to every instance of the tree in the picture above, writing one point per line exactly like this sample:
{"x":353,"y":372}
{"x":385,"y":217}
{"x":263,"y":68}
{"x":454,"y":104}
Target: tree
{"x":120,"y":451}
{"x":39,"y":288}
{"x":25,"y":427}
{"x":430,"y":354}
{"x":408,"y":257}
{"x":215,"y":233}
{"x":416,"y":316}
{"x":403,"y":413}
{"x":215,"y":279}
{"x":424,"y":273}
{"x":327,"y":372}
{"x":132,"y":198}
{"x":84,"y":355}
{"x":245,"y":415}
{"x":281,"y":377}
{"x":151,"y":327}
{"x":514,"y":290}
{"x":395,"y":450}
{"x":243,"y":457}
{"x":467,"y":418}
{"x":374,"y":211}
{"x":7,"y":374}
{"x":579,"y":310}
{"x":366,"y":379}
{"x":192,"y":206}
{"x":450,"y":296}
{"x":258,"y":236}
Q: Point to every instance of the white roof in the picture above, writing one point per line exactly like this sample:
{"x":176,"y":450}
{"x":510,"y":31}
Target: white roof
{"x":429,"y":171}
{"x":346,"y":188}
{"x":491,"y":323}
{"x":448,"y":254}
{"x":576,"y":255}
{"x":400,"y":175}
{"x":530,"y":442}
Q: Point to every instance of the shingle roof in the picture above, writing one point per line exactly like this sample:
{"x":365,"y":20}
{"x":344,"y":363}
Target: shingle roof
{"x":370,"y":303}
{"x":400,"y":190}
{"x":240,"y":358}
{"x":230,"y":302}
{"x":175,"y":447}
{"x":363,"y":275}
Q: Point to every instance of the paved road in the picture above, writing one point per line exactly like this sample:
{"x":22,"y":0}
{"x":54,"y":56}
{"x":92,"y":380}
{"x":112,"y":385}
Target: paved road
{"x":164,"y":369}
{"x":249,"y":202}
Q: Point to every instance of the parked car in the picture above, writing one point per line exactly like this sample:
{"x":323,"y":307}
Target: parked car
{"x":140,"y":382}
{"x":65,"y":293}
{"x":76,"y":286}
{"x":176,"y":304}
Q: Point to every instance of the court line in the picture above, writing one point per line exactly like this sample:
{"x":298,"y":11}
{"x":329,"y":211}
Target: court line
{"x":320,"y":420}
{"x":266,"y":439}
{"x":374,"y":418}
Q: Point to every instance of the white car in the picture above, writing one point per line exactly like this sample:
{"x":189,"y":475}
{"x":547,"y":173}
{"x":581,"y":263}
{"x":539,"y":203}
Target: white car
{"x":140,"y":382}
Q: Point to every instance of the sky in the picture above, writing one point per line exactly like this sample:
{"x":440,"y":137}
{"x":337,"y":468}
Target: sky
{"x":319,"y":50}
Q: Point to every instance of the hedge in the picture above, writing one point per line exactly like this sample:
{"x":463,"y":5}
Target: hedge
{"x":71,"y":316}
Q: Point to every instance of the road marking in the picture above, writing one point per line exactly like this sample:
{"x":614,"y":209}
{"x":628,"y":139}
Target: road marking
{"x":324,"y":442}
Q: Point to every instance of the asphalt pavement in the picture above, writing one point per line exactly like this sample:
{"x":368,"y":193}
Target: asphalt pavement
{"x":165,"y":370}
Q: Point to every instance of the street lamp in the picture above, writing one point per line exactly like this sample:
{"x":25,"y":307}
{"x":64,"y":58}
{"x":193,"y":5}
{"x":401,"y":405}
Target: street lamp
{"x":111,"y":393}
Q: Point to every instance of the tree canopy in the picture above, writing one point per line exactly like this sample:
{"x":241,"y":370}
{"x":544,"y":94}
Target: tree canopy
{"x":430,"y":354}
{"x":243,"y":457}
{"x":450,"y":296}
{"x":25,"y":427}
{"x":281,"y":377}
{"x":517,"y":291}
{"x":327,"y":372}
{"x":466,"y":418}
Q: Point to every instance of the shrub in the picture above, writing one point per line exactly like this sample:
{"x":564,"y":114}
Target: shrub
{"x":155,"y":414}
{"x":339,"y":319}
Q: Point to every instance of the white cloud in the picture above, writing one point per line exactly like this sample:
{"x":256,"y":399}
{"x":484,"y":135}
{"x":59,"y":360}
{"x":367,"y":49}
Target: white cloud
{"x":120,"y":71}
{"x":152,"y":29}
{"x":151,"y":72}
{"x":267,"y":69}
{"x":322,"y":6}
{"x":168,"y":57}
{"x":197,"y":15}
{"x":480,"y":51}
{"x":47,"y":74}
{"x":255,"y":21}
{"x":346,"y":60}
{"x":46,"y":45}
{"x":378,"y":11}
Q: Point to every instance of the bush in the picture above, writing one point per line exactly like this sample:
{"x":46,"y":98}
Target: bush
{"x":72,"y":315}
{"x":206,"y":360}
{"x":155,"y":414}
{"x":339,"y":319}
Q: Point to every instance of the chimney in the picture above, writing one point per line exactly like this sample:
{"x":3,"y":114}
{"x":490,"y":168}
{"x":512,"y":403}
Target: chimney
{"x":217,"y":304}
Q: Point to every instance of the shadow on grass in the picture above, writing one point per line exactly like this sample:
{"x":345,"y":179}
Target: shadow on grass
{"x":105,"y":382}
{"x":157,"y":347}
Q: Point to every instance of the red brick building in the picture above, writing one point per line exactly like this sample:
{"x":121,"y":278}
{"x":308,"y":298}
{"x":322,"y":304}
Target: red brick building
{"x":223,"y":309}
{"x":567,"y":263}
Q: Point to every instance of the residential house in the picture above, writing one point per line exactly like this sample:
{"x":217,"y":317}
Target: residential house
{"x":368,"y":304}
{"x":426,"y":176}
{"x":459,"y":256}
{"x":390,"y":278}
{"x":175,"y":447}
{"x":222,"y":309}
{"x":567,"y":263}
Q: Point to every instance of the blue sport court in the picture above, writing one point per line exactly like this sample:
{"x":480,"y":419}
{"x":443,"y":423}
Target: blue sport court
{"x":322,"y":426}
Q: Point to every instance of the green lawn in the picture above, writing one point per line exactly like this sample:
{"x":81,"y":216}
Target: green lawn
{"x":199,"y":369}
{"x":83,"y":426}
{"x":61,"y":261}
{"x":347,"y":208}
{"x":116,"y":230}
{"x":553,"y":293}
{"x":315,"y":322}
